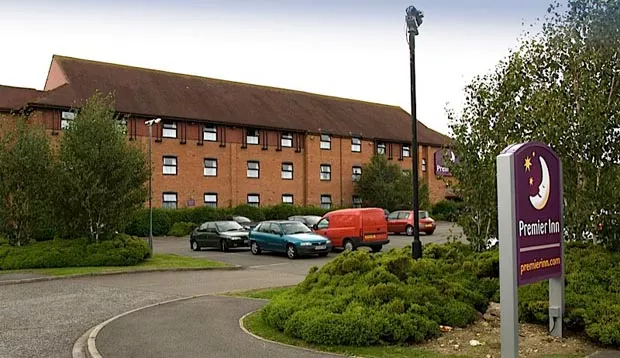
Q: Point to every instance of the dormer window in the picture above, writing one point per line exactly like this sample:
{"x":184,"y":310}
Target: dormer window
{"x":286,"y":140}
{"x":252,"y":136}
{"x":169,"y":129}
{"x":326,"y":142}
{"x":380,"y":148}
{"x":209,"y":133}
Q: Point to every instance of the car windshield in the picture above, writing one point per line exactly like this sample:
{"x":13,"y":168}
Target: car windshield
{"x":423,"y":214}
{"x":228,"y":226}
{"x":242,"y":219}
{"x":294,"y":227}
{"x":313,"y":219}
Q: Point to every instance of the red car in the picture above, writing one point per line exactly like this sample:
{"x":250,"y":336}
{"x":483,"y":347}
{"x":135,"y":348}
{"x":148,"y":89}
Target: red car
{"x":402,"y":221}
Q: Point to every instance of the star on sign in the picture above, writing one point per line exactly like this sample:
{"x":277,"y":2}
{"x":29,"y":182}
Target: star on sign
{"x":528,"y":164}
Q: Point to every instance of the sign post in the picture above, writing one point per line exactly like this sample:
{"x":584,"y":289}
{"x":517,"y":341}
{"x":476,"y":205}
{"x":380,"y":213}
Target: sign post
{"x":529,"y":208}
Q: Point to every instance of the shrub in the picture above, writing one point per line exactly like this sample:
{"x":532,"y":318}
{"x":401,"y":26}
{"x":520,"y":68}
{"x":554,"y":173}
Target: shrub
{"x":122,"y":250}
{"x":447,"y":210}
{"x":181,"y":229}
{"x":139,"y":223}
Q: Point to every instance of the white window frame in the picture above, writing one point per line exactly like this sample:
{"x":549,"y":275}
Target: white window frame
{"x":423,"y":164}
{"x":406,"y":151}
{"x":326,"y":201}
{"x":252,"y":139}
{"x":251,"y":200}
{"x":250,"y":171}
{"x":326,"y":172}
{"x":210,"y":200}
{"x":286,"y":197}
{"x":287,"y":174}
{"x":381,"y":148}
{"x":210,"y":171}
{"x":356,"y":145}
{"x":168,"y":128}
{"x":167,"y":200}
{"x":66,"y":118}
{"x":326,"y":142}
{"x":357,"y":201}
{"x":356,"y":176}
{"x":209,"y":133}
{"x":286,"y":140}
{"x":172,"y":165}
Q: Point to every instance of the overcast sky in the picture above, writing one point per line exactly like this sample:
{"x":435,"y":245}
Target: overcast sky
{"x":346,"y":48}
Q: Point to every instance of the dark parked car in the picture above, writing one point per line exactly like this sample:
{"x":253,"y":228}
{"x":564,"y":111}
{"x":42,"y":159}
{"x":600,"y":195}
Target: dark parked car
{"x":246,"y":223}
{"x":308,"y":220}
{"x":222,"y":234}
{"x":291,"y":237}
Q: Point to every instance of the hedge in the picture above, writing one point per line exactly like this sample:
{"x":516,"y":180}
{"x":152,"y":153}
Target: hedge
{"x":447,"y":210}
{"x":122,"y":250}
{"x":364,"y":299}
{"x":181,"y":229}
{"x":165,"y":219}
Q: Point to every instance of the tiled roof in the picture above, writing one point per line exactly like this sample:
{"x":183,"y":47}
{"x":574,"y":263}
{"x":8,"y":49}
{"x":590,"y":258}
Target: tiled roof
{"x":164,"y":94}
{"x":13,"y":98}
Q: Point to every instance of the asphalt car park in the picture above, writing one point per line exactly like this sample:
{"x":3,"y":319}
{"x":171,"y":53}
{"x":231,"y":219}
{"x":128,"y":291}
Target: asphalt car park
{"x":243,"y":256}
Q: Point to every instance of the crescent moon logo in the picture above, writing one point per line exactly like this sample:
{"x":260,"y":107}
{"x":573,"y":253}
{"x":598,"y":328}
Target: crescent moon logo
{"x":539,"y":201}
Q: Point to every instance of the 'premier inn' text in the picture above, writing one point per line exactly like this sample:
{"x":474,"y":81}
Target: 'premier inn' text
{"x":538,"y":228}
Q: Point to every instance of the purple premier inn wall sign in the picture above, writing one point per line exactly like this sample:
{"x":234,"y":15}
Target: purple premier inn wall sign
{"x":440,"y":156}
{"x":538,"y":209}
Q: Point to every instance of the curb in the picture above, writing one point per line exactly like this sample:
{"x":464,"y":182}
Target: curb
{"x":109,"y":273}
{"x":284,"y":344}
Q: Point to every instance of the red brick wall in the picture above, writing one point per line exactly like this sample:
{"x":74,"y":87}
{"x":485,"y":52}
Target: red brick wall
{"x":231,"y":183}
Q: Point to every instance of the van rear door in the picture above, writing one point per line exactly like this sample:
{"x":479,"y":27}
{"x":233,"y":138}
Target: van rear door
{"x":374,"y":226}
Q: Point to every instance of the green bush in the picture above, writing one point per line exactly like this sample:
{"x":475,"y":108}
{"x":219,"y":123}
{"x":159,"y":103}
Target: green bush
{"x":447,"y":210}
{"x":181,"y":229}
{"x":364,"y":299}
{"x":122,"y":250}
{"x":165,"y":219}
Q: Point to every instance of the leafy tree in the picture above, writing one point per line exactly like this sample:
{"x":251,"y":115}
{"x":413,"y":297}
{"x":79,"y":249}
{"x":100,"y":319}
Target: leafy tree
{"x":560,"y":87}
{"x":102,"y":175}
{"x":383,"y":184}
{"x":25,"y":174}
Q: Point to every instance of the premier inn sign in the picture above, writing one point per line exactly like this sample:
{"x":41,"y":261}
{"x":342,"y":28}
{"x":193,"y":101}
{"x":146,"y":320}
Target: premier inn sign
{"x":529,"y":208}
{"x":440,"y":156}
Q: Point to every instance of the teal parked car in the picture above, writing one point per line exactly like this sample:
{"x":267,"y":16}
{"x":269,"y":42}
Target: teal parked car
{"x":291,"y":237}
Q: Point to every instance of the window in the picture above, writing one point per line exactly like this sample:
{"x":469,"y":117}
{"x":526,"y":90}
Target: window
{"x":393,"y":215}
{"x":326,"y":201}
{"x":209,"y":133}
{"x":406,"y":151}
{"x":286,"y":140}
{"x":326,"y":141}
{"x":287,"y":199}
{"x":254,"y":200}
{"x":170,"y":166}
{"x":357,"y":173}
{"x":423,"y":164}
{"x":66,"y":119}
{"x":210,"y":167}
{"x":252,"y":136}
{"x":326,"y":172}
{"x":380,"y":148}
{"x":406,"y":172}
{"x":403,"y":215}
{"x":287,"y":171}
{"x":211,"y":200}
{"x":170,"y":130}
{"x":357,"y":201}
{"x":253,"y":169}
{"x":170,"y":201}
{"x":356,"y":145}
{"x":323,"y":224}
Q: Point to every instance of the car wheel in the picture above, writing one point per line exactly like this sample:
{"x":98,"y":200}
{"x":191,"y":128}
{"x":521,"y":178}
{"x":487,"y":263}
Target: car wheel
{"x":255,"y":248}
{"x":291,"y":252}
{"x":323,"y":254}
{"x":348,"y":245}
{"x":194,"y":245}
{"x":376,"y":248}
{"x":409,"y":230}
{"x":224,"y":245}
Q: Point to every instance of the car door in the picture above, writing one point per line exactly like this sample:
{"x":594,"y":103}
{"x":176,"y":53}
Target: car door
{"x":392,"y":222}
{"x":211,"y":236}
{"x":200,"y":233}
{"x":262,"y":235}
{"x":404,"y":219}
{"x":277,"y":240}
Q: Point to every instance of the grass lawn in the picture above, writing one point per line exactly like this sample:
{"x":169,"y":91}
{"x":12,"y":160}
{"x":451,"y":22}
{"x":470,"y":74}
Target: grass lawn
{"x":158,"y":261}
{"x":255,"y":324}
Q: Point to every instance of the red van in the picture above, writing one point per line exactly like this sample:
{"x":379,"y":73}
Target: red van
{"x":352,"y":228}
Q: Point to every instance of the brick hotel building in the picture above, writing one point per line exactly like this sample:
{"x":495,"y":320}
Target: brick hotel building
{"x":224,"y":143}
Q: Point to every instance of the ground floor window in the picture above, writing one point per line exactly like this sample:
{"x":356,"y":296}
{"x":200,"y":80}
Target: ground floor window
{"x":287,"y":199}
{"x":357,"y":201}
{"x":254,"y":200}
{"x":326,"y":201}
{"x":169,"y":200}
{"x":211,"y":200}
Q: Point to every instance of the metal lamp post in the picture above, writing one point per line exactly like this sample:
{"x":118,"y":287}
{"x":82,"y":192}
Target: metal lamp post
{"x":149,"y":124}
{"x":414,"y":20}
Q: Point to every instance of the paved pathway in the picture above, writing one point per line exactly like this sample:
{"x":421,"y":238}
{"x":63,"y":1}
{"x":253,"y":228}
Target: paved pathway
{"x":203,"y":327}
